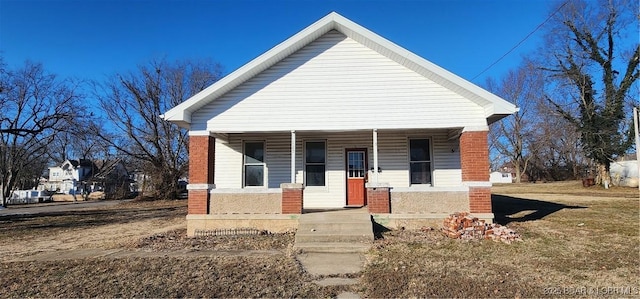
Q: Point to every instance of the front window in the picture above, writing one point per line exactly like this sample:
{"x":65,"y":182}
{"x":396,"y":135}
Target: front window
{"x":253,"y":164}
{"x":315,"y":163}
{"x":420,"y":161}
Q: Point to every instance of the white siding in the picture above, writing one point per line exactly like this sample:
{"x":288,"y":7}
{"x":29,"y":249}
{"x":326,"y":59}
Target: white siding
{"x":335,"y":83}
{"x":394,"y":157}
{"x":393,"y":161}
{"x":229,"y":164}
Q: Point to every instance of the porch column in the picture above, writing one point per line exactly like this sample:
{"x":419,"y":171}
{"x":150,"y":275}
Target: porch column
{"x":201,"y":171}
{"x":474,"y":160}
{"x":293,"y":157}
{"x":375,"y":156}
{"x":378,"y":197}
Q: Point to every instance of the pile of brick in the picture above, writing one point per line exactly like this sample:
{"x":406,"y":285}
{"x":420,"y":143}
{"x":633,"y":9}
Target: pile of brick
{"x":463,"y":225}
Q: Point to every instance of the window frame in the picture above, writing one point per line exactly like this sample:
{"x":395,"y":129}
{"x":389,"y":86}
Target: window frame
{"x":411,"y":162}
{"x":305,"y":164}
{"x":263,"y":163}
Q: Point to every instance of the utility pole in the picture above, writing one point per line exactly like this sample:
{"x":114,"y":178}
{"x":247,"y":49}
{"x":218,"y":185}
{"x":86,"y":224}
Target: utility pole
{"x":635,"y":124}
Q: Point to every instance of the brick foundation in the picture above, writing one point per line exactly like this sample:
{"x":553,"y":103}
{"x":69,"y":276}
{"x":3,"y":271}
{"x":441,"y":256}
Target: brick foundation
{"x":292,"y":198}
{"x":378,"y":200}
{"x":201,"y":173}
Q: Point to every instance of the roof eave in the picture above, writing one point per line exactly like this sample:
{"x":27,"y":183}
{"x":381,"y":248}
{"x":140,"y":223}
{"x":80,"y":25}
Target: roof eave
{"x":495,"y":113}
{"x":182,"y":112}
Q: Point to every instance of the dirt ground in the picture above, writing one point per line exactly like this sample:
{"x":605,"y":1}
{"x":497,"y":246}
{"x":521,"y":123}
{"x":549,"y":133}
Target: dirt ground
{"x":112,"y":227}
{"x":577,"y":242}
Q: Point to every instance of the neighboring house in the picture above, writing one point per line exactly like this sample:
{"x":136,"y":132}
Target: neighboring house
{"x":85,"y":176}
{"x":65,"y":177}
{"x":112,"y":178}
{"x":510,"y":168}
{"x":140,"y":181}
{"x":337,"y":116}
{"x":500,"y":177}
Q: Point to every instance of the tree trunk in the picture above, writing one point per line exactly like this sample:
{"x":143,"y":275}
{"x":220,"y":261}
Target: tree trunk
{"x":604,"y":175}
{"x":517,"y":171}
{"x":4,"y":199}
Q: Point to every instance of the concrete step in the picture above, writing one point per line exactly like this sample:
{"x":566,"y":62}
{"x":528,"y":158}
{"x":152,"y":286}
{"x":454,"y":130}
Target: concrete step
{"x":334,"y":216}
{"x":332,"y":247}
{"x":342,"y":231}
{"x":333,"y":237}
{"x":319,"y":228}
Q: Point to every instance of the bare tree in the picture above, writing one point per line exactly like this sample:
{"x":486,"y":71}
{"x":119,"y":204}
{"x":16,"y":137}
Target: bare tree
{"x":513,"y":137}
{"x":80,"y":142}
{"x":584,"y":56}
{"x":133,"y":102}
{"x":559,"y":154}
{"x":35,"y":106}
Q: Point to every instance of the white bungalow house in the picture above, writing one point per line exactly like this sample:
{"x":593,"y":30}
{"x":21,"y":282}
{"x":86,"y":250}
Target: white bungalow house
{"x":337,"y":116}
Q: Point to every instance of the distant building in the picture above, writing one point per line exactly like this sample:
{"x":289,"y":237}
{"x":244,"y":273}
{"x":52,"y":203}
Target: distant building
{"x":500,"y":177}
{"x":65,"y":177}
{"x":86,"y":176}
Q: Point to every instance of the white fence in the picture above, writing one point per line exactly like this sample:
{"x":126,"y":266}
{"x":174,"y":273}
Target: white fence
{"x":28,"y":196}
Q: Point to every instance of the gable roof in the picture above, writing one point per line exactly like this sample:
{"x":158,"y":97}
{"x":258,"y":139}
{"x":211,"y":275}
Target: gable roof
{"x":78,"y":163}
{"x":495,"y":107}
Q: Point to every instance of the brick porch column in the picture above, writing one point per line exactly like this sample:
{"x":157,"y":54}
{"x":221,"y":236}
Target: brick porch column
{"x":378,"y":199}
{"x":201,"y":170}
{"x":292,"y":198}
{"x":474,"y":160}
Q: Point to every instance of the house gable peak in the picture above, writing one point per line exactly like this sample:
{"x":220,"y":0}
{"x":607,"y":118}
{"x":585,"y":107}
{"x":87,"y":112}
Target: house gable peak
{"x":495,"y":107}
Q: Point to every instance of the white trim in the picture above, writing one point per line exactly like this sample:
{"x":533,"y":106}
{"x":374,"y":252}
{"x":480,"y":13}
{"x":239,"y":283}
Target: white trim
{"x":377,"y":185}
{"x":431,"y":158}
{"x":291,"y":186}
{"x":475,"y":129}
{"x":326,"y":165}
{"x":265,"y":170}
{"x":200,"y":133}
{"x":201,"y":186}
{"x":477,"y":184}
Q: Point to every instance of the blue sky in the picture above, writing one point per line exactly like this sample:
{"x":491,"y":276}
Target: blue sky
{"x":96,"y":38}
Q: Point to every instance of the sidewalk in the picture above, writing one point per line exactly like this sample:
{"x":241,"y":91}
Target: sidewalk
{"x":57,"y":206}
{"x":74,"y":254}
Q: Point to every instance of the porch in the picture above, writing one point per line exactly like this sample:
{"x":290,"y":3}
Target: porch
{"x":404,"y":178}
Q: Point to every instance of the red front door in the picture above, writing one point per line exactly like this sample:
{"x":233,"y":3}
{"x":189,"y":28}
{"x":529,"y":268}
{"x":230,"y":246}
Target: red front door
{"x":356,"y":175}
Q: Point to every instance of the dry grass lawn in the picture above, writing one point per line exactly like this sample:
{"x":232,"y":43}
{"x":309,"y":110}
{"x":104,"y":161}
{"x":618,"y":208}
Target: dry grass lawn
{"x":577,"y":242}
